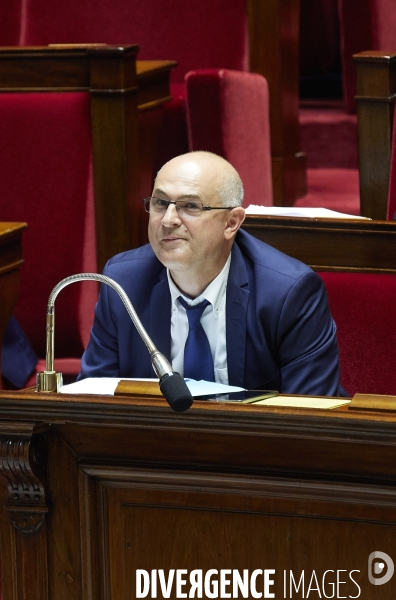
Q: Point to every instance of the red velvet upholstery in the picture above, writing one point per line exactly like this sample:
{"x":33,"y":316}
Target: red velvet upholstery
{"x":10,"y":22}
{"x":335,"y":189}
{"x":391,"y":213}
{"x":46,"y":180}
{"x":363,"y":307}
{"x":228,"y":114}
{"x":197,"y":33}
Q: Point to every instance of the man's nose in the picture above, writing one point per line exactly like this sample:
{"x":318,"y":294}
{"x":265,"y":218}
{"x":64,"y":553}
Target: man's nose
{"x":171,"y":216}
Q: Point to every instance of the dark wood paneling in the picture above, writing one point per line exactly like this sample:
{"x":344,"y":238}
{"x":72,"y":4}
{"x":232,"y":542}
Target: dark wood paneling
{"x":376,"y":89}
{"x":330,"y":244}
{"x":131,"y":485}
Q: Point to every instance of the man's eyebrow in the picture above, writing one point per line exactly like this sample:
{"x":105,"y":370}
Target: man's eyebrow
{"x":181,"y":197}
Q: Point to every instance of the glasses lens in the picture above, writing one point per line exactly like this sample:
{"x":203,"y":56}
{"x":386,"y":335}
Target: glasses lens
{"x":158,"y":205}
{"x":189,"y":208}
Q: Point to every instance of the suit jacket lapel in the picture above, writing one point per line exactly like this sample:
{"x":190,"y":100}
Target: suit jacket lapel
{"x":236,"y":317}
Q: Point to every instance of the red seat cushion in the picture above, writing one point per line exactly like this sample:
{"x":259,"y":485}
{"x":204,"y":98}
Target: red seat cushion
{"x":363,"y":307}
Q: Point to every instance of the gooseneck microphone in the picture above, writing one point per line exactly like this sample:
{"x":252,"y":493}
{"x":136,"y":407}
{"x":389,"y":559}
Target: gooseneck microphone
{"x":172,"y":384}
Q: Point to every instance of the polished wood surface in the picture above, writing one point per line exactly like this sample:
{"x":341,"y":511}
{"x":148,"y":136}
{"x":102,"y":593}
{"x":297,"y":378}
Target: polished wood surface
{"x":10,"y":263}
{"x":123,"y":93}
{"x":376,"y":89}
{"x":94,"y":488}
{"x":330,"y":244}
{"x":274,"y":53}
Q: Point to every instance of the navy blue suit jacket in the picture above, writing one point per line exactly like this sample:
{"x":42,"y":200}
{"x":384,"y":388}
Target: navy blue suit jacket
{"x":279,"y":330}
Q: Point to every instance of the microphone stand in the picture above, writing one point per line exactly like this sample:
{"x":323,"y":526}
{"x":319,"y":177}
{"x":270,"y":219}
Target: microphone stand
{"x":172,"y":385}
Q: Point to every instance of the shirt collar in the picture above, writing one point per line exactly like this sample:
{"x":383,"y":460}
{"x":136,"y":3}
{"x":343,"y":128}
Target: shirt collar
{"x":215,"y":293}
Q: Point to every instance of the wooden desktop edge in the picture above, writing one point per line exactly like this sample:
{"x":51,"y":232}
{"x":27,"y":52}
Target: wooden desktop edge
{"x":141,"y":392}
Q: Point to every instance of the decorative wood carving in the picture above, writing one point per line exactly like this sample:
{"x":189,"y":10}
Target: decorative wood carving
{"x":22,"y":461}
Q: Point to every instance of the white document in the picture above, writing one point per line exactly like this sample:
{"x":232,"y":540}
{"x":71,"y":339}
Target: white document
{"x":294,"y":211}
{"x":107,"y":385}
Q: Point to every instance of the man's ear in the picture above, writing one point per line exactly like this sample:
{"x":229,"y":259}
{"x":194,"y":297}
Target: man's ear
{"x":235,"y":218}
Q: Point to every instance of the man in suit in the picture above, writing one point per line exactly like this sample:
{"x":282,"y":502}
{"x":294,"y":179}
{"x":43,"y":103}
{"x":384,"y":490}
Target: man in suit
{"x":267,"y":322}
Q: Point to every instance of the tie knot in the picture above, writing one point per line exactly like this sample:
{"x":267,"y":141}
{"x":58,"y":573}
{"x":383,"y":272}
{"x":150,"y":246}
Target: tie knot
{"x":194,"y":313}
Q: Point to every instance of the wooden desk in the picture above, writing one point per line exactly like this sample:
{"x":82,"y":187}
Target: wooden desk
{"x":101,"y":486}
{"x":124,"y":93}
{"x":10,"y":262}
{"x":330,"y":244}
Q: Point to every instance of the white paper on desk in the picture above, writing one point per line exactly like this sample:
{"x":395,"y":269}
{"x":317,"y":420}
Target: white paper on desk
{"x":104,"y":386}
{"x":208,"y":388}
{"x":297,"y":211}
{"x":107,"y":385}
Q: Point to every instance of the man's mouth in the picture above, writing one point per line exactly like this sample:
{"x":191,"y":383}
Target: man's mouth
{"x":171,"y":238}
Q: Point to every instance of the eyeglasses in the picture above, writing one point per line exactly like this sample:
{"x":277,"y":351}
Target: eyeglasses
{"x":187,"y":208}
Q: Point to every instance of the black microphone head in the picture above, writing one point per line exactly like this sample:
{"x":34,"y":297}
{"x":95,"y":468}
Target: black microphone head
{"x":176,"y":392}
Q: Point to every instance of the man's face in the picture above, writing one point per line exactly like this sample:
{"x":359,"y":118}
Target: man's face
{"x":184,"y":243}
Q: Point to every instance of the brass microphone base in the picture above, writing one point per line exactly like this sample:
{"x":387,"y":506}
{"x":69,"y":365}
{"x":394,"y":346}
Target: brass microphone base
{"x":49,"y":381}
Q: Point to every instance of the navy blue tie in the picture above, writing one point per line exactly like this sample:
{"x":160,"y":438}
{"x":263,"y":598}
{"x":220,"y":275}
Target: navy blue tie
{"x":198,"y":361}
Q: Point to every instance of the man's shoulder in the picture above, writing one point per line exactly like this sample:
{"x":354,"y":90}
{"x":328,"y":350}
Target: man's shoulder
{"x":262,"y":256}
{"x":137,"y":268}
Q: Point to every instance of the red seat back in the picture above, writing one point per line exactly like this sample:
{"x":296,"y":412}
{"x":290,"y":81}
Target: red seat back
{"x":228,"y":114}
{"x":197,"y":33}
{"x":46,"y":180}
{"x":10,"y":22}
{"x":363,"y":307}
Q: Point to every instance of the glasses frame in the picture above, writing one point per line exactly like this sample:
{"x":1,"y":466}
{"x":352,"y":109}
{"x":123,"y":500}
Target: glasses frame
{"x":147,"y":201}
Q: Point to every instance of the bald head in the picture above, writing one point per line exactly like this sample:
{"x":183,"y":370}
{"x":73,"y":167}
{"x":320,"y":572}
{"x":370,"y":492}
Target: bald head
{"x":219,"y":174}
{"x":195,"y":247}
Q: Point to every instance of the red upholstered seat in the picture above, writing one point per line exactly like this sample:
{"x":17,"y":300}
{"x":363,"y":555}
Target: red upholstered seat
{"x":363,"y":307}
{"x":228,"y":114}
{"x":46,"y":180}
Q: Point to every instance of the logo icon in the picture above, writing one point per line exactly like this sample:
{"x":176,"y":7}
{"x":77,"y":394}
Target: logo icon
{"x":376,"y":566}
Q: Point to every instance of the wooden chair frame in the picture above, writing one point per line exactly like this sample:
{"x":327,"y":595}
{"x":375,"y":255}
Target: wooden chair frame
{"x":120,"y":89}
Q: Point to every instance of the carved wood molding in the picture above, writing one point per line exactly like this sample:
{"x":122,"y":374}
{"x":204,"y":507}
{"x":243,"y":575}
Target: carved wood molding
{"x":22,"y":464}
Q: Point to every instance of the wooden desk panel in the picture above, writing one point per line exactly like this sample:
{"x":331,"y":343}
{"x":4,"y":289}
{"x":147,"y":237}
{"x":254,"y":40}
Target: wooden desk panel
{"x":330,"y":244}
{"x":121,"y":484}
